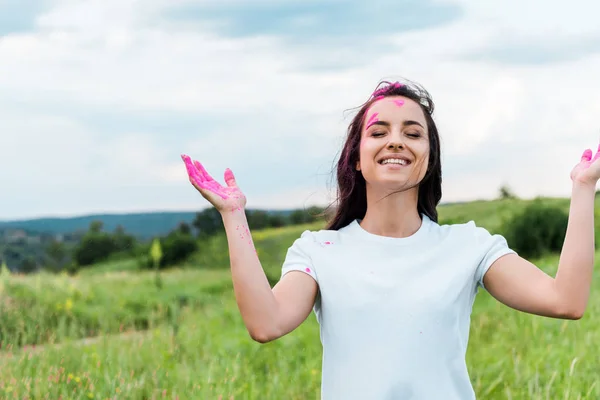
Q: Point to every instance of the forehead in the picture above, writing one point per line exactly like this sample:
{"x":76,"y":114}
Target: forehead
{"x":397,"y":108}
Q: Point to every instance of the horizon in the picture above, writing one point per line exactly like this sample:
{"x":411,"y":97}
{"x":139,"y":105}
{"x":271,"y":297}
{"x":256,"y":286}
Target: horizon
{"x":171,"y":211}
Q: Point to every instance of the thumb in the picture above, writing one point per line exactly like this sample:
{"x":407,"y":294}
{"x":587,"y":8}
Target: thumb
{"x":587,"y":155}
{"x":230,"y":178}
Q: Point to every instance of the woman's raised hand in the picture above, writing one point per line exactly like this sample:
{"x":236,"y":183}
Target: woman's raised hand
{"x":224,"y":198}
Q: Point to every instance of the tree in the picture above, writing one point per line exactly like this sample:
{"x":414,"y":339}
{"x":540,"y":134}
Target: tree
{"x":57,"y":254}
{"x":28,"y":265}
{"x":277,"y":220}
{"x":123,"y":242}
{"x":94,"y":247}
{"x":257,"y":219}
{"x":4,"y":271}
{"x":208,"y":222}
{"x":506,"y":193}
{"x":184,"y":228}
{"x":96,"y":226}
{"x":176,"y":248}
{"x":156,"y":256}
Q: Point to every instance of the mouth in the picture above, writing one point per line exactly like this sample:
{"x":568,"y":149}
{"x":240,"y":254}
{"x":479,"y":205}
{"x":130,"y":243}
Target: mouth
{"x":400,"y":161}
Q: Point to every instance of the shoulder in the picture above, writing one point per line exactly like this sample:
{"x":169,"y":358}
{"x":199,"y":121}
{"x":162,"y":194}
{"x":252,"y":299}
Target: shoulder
{"x":467,"y":230}
{"x":319,"y":238}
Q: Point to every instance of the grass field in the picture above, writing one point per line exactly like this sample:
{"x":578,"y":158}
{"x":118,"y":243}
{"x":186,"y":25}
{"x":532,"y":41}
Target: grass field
{"x":187,"y":340}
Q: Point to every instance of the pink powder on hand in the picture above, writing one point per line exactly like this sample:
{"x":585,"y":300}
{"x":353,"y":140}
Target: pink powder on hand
{"x":200,"y":178}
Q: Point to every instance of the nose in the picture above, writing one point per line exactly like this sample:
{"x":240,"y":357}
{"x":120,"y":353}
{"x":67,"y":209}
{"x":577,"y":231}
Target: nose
{"x":395,"y":143}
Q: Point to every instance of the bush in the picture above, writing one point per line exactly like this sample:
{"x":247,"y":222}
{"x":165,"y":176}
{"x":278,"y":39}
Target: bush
{"x":176,"y":248}
{"x":93,"y":248}
{"x":540,"y":228}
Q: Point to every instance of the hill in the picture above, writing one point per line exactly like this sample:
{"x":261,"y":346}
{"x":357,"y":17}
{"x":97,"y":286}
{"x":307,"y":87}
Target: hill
{"x":142,"y":225}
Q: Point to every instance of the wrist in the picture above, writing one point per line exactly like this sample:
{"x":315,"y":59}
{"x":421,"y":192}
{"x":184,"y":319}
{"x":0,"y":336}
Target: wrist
{"x":233,"y":214}
{"x":584,"y":186}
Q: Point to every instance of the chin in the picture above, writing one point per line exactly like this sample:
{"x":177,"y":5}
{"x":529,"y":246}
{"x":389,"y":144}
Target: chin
{"x":394,"y":184}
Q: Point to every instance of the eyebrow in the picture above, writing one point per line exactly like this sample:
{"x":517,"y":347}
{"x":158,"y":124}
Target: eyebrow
{"x":405,"y":123}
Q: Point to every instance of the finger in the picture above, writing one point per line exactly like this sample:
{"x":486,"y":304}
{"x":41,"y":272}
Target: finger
{"x":587,"y":155}
{"x":597,"y":154}
{"x":230,"y":178}
{"x":192,"y":172}
{"x":203,"y":171}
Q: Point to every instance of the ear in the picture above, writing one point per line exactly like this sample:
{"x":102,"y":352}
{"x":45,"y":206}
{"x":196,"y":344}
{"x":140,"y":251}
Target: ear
{"x":358,"y":165}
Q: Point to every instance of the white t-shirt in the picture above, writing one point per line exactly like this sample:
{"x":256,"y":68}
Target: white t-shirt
{"x":394,"y":313}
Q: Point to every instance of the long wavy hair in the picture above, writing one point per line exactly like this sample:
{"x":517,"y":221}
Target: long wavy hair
{"x":351,"y":198}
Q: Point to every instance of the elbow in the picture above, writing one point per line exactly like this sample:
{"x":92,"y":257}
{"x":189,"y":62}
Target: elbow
{"x":262,"y":335}
{"x":575,"y":314}
{"x":571,"y":313}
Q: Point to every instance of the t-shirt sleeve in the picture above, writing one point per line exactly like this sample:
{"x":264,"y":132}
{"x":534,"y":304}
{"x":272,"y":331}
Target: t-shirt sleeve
{"x":492,"y":247}
{"x":298,"y":256}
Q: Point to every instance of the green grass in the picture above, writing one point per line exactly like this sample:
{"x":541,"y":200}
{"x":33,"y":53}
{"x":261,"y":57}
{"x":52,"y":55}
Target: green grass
{"x":195,"y":345}
{"x":511,"y":355}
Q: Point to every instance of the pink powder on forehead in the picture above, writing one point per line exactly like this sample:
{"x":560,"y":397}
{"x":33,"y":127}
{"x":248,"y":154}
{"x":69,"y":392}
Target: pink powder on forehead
{"x":374,"y":118}
{"x":399,"y":103}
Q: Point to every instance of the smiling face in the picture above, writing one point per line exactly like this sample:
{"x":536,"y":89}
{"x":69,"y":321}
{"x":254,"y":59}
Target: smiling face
{"x":394,"y":147}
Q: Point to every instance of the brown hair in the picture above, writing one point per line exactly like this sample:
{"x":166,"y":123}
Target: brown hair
{"x":351,"y":186}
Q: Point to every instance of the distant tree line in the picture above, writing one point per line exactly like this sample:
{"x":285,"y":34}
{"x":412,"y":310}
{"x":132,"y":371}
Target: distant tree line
{"x":95,"y":245}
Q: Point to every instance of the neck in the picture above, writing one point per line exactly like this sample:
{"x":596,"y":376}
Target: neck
{"x":393,"y":216}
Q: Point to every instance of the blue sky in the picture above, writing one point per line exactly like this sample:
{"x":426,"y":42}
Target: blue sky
{"x":98,"y":98}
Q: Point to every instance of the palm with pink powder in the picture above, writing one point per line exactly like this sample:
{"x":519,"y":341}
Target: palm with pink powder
{"x":223,"y":198}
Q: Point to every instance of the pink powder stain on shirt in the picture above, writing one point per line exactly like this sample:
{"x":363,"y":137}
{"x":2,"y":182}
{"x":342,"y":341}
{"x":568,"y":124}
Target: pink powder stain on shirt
{"x":307,"y":270}
{"x":328,"y":243}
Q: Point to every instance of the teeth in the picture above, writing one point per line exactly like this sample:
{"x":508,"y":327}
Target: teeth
{"x":394,"y":161}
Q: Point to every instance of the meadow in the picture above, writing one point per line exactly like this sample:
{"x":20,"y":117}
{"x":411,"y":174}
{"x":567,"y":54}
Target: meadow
{"x":110,"y":333}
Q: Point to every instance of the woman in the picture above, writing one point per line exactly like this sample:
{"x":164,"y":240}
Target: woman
{"x":391,"y":288}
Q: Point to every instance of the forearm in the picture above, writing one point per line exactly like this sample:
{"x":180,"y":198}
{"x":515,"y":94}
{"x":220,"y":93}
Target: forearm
{"x":253,"y":293}
{"x":574,"y":276}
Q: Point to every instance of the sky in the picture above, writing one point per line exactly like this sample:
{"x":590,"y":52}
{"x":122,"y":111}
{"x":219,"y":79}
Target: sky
{"x":99,"y":98}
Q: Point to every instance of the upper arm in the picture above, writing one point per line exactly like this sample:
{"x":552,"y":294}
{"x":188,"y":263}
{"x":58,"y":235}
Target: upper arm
{"x":521,"y":285}
{"x":295,"y":294}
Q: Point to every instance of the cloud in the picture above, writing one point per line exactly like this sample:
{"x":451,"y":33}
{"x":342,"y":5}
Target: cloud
{"x":530,"y":33}
{"x":307,"y":21}
{"x":98,"y":99}
{"x":538,"y":50}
